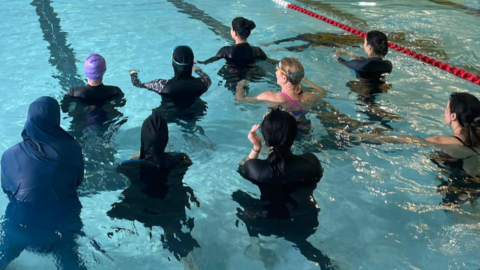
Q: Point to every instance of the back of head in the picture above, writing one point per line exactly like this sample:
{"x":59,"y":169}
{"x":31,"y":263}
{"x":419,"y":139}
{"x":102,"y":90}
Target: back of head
{"x":467,"y":109}
{"x":182,"y":61}
{"x":243,"y":27}
{"x":379,"y":42}
{"x":94,"y":67}
{"x":154,"y":138}
{"x":295,"y":71}
{"x":279,"y":129}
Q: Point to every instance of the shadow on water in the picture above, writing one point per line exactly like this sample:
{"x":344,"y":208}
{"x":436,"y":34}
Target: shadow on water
{"x":44,"y":230}
{"x":366,"y":95}
{"x":95,"y":125}
{"x":255,"y":73}
{"x":184,"y":116}
{"x":195,"y":13}
{"x":469,"y":10}
{"x":291,"y":215}
{"x":62,"y":56}
{"x":160,"y":198}
{"x":341,"y":15}
{"x":335,"y":40}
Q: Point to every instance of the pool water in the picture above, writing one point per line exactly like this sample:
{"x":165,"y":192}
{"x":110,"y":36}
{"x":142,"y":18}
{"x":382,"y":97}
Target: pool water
{"x":381,"y":206}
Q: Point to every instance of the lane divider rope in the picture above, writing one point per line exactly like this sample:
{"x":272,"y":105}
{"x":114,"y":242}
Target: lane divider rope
{"x":431,"y":61}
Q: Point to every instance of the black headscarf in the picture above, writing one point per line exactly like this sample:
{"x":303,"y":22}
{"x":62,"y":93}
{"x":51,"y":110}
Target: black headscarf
{"x":154,"y":139}
{"x":182,"y":62}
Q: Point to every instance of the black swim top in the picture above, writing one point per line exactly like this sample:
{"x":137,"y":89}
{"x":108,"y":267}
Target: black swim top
{"x":241,"y":55}
{"x":372,"y":69}
{"x":181,"y":92}
{"x":463,"y":143}
{"x":303,"y":169}
{"x":300,"y":170}
{"x":97,"y":94}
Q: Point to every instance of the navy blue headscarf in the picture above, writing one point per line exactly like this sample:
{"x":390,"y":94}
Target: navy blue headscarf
{"x":48,"y":165}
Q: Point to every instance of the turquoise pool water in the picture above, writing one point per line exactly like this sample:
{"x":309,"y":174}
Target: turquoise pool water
{"x":381,"y":207}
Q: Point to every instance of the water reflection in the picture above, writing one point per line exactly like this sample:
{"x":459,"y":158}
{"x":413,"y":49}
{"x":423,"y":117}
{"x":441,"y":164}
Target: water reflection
{"x":460,"y":181}
{"x":195,"y":13}
{"x":469,"y":10}
{"x":44,"y":230}
{"x":159,"y":198}
{"x":367,"y":94}
{"x":290,"y":213}
{"x":95,"y":124}
{"x":336,"y":40}
{"x":342,"y":15}
{"x":184,"y":116}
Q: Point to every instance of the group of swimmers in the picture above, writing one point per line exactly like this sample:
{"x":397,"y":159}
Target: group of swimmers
{"x":47,"y":167}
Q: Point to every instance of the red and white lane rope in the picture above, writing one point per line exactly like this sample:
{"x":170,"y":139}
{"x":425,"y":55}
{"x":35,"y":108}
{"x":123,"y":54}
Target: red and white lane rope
{"x":431,"y":61}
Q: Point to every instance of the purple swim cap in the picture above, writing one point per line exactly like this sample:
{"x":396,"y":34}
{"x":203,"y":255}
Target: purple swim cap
{"x":95,"y":67}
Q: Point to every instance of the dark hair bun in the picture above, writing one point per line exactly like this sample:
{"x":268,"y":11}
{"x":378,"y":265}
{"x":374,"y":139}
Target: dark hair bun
{"x":378,"y":41}
{"x":250,"y":25}
{"x":243,"y":27}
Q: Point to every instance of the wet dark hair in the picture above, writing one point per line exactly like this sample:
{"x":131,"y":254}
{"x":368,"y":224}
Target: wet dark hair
{"x":182,"y":62}
{"x":279,"y":129}
{"x":379,"y":42}
{"x":243,"y":27}
{"x":467,"y":109}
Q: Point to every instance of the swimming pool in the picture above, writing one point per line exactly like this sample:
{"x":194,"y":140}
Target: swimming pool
{"x":380,"y":204}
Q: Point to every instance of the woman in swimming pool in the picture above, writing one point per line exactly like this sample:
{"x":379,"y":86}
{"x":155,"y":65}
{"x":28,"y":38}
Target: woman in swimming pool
{"x":287,"y":207}
{"x":373,"y":69}
{"x":459,"y":157}
{"x":182,"y":90}
{"x":290,"y":73}
{"x":241,"y":54}
{"x":462,"y":114}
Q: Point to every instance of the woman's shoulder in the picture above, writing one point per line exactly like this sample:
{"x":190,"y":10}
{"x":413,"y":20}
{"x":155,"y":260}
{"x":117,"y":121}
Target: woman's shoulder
{"x":309,"y":159}
{"x":444,"y":140}
{"x":253,"y":169}
{"x":10,"y":153}
{"x":306,"y":97}
{"x":272,"y":97}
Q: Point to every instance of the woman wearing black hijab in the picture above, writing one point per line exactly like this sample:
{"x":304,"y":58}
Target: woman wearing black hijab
{"x":157,"y":195}
{"x":183,"y":89}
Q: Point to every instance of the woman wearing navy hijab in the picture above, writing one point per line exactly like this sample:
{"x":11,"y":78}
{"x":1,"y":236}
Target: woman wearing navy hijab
{"x":47,"y":167}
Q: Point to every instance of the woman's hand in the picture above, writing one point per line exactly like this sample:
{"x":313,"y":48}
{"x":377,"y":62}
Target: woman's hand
{"x":254,"y":139}
{"x":338,"y":53}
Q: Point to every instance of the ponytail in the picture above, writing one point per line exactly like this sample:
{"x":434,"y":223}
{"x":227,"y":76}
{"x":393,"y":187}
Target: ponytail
{"x":378,"y":41}
{"x":471,"y":135}
{"x":277,"y":160}
{"x":467,"y":109}
{"x":279,"y":129}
